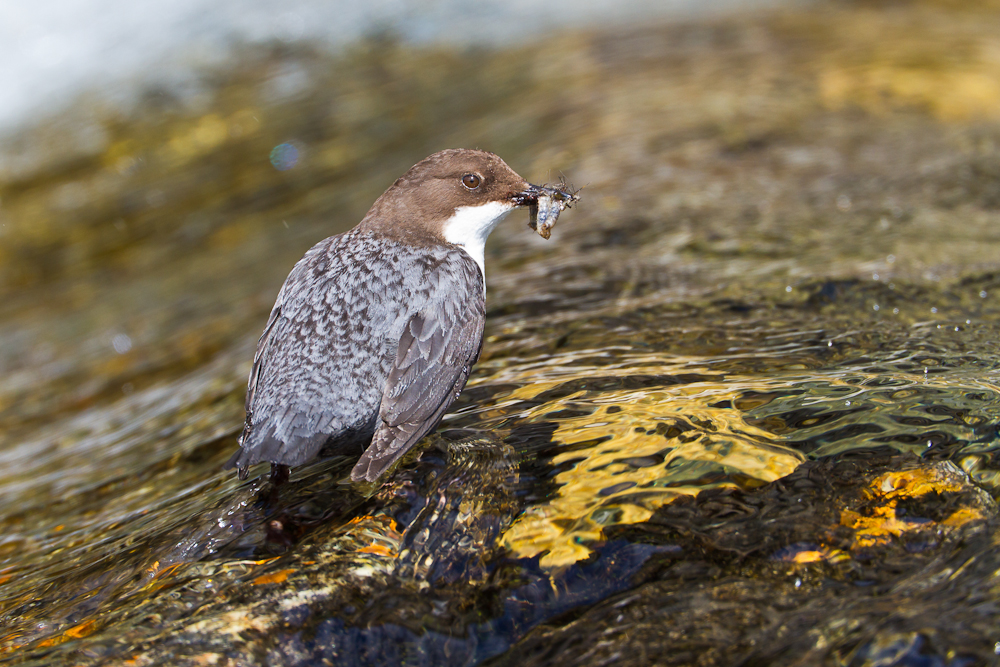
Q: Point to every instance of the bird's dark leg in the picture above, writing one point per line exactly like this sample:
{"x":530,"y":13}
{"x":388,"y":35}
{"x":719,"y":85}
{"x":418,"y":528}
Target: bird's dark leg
{"x":279,"y":474}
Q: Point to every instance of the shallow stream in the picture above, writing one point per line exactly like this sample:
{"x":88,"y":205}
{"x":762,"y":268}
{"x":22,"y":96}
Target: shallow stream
{"x":742,"y":408}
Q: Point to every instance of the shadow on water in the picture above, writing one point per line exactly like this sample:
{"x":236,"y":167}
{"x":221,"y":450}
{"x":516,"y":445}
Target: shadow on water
{"x":742,"y":409}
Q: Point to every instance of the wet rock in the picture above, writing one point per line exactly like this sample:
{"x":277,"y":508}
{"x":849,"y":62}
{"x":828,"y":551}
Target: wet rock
{"x":789,"y":573}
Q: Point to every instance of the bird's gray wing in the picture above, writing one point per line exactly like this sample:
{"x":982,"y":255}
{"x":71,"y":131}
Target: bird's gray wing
{"x":258,"y":357}
{"x":436,"y":351}
{"x":238,"y":459}
{"x":328,"y":325}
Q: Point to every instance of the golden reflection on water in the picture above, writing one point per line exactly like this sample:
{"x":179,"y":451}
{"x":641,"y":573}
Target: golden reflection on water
{"x":637,"y":464}
{"x":626,"y":452}
{"x":646,"y":448}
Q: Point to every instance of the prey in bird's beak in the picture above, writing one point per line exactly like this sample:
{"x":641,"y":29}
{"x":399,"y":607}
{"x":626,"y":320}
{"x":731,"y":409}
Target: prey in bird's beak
{"x":545,"y":203}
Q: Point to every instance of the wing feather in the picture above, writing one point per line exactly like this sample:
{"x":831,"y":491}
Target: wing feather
{"x":319,"y":335}
{"x":434,"y":358}
{"x":258,"y":356}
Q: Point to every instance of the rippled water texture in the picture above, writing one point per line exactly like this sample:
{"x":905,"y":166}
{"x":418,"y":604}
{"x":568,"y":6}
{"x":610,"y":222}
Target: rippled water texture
{"x":742,"y":408}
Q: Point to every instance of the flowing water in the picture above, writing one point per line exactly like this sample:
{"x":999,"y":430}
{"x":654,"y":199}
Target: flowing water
{"x":742,"y":408}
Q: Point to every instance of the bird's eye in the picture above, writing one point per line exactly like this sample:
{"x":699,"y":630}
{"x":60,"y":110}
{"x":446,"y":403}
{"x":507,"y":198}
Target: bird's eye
{"x":471,"y":181}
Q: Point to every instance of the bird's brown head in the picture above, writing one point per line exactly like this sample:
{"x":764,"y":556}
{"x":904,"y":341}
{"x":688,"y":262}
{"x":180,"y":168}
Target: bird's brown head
{"x":455,"y":196}
{"x":425,"y":198}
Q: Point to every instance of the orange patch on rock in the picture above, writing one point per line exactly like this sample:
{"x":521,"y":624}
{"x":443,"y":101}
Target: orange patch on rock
{"x":273,"y":578}
{"x":378,"y":550}
{"x":881,"y":523}
{"x":81,"y":630}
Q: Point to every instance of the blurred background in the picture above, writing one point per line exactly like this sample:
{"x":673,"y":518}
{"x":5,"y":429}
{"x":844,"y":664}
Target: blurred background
{"x":786,"y":205}
{"x":54,"y":49}
{"x":162,"y":165}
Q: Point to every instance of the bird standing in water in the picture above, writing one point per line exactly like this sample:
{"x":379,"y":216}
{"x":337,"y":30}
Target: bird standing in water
{"x":375,"y":331}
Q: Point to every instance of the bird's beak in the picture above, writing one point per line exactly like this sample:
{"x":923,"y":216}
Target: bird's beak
{"x":529,"y":196}
{"x":560,"y":193}
{"x":545,"y":203}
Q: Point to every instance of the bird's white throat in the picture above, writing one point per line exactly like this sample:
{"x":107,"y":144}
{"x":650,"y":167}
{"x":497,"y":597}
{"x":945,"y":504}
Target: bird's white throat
{"x":469,"y":227}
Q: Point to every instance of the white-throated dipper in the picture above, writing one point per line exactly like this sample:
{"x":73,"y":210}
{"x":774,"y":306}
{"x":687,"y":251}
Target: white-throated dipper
{"x":375,"y":331}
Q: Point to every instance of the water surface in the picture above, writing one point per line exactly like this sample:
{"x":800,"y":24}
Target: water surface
{"x":741,"y":409}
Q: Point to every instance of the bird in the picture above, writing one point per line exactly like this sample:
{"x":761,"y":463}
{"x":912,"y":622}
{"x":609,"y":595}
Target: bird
{"x":375,"y":331}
